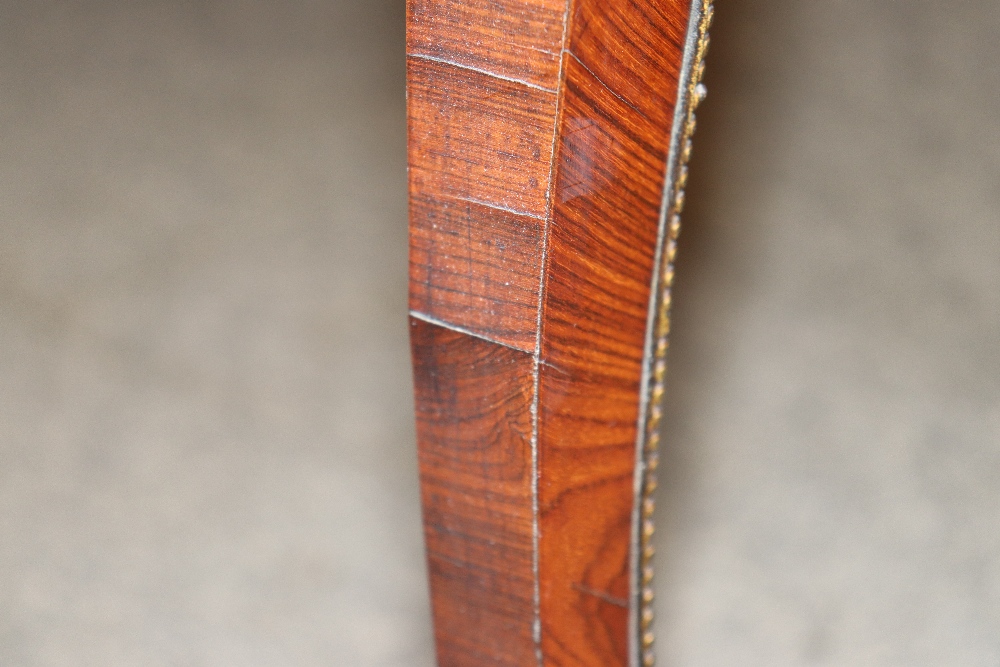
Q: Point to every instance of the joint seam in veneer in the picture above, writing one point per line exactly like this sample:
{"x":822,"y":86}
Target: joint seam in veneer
{"x":462,"y":330}
{"x":535,"y":472}
{"x":479,"y":70}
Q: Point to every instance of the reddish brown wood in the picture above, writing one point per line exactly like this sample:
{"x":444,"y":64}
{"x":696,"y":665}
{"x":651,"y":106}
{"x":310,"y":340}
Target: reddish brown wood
{"x":473,"y":401}
{"x":476,"y":267}
{"x":608,"y":188}
{"x":479,"y":137}
{"x":539,"y":136}
{"x":513,"y":39}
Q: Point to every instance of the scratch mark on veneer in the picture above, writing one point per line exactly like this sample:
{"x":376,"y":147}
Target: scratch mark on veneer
{"x":545,"y":51}
{"x":601,"y":595}
{"x":606,"y":86}
{"x":561,"y":371}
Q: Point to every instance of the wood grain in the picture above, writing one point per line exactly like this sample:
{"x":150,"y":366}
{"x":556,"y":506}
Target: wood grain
{"x":539,"y":139}
{"x":602,"y":240}
{"x":476,"y":267}
{"x":473,"y":401}
{"x":481,"y":138}
{"x":513,"y":39}
{"x":633,"y":48}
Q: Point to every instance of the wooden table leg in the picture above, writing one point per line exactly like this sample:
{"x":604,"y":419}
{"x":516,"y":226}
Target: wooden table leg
{"x":547,"y":150}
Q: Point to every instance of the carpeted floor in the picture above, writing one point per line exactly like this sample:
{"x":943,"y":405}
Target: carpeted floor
{"x":833,"y":492}
{"x":205,"y":416}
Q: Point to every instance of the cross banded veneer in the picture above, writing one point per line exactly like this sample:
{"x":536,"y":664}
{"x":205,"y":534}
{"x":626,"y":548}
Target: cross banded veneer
{"x":547,"y":142}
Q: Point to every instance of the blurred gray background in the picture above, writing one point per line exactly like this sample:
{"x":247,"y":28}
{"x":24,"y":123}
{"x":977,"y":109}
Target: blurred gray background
{"x":206,"y":447}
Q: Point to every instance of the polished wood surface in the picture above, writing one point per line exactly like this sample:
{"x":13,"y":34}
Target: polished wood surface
{"x":473,"y":401}
{"x":540,"y":137}
{"x":602,"y":241}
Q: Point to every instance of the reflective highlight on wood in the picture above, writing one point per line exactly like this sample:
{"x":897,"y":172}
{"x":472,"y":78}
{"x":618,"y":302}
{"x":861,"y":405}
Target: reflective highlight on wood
{"x":541,"y":135}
